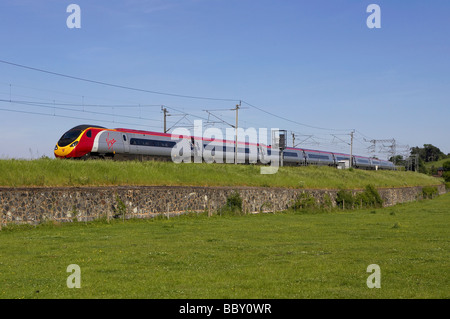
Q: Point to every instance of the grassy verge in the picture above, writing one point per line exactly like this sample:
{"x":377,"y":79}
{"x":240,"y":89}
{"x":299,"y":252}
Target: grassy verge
{"x":285,"y":255}
{"x":48,"y":172}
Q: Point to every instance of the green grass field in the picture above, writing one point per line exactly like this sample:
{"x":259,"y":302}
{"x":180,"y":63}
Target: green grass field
{"x":285,"y":255}
{"x":53,"y":172}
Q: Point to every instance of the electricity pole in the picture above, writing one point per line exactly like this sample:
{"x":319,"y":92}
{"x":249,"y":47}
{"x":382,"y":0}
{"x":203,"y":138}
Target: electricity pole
{"x":165,"y":115}
{"x":236,"y":134}
{"x":237,"y":108}
{"x":351,"y":148}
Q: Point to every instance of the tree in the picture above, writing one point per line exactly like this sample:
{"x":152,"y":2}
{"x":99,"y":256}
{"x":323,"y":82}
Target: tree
{"x":446,"y":167}
{"x":422,"y":168}
{"x":429,"y":153}
{"x":398,"y":160}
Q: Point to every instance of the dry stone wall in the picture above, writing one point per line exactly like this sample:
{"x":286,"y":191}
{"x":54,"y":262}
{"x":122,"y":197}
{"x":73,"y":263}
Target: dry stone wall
{"x":39,"y":204}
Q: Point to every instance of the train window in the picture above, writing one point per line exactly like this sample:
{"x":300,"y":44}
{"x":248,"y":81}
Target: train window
{"x":89,"y":133}
{"x":124,"y":138}
{"x":71,"y":134}
{"x":156,"y":143}
{"x":69,"y":137}
{"x":290,"y":154}
{"x":318,"y":156}
{"x":228,"y":149}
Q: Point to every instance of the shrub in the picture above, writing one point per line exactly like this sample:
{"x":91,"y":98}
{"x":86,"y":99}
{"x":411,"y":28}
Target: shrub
{"x":446,"y":167}
{"x":327,"y":202}
{"x":304,"y":201}
{"x":429,"y":192}
{"x":234,"y":201}
{"x":233,"y":205}
{"x":344,"y":199}
{"x":369,"y":197}
{"x":121,"y":208}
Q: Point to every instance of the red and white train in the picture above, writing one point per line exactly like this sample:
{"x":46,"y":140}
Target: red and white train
{"x":91,"y":141}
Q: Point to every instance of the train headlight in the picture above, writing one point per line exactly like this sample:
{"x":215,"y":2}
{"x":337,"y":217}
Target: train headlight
{"x":56,"y":147}
{"x":74,"y":144}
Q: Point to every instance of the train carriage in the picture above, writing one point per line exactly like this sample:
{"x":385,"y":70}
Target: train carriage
{"x":362,"y":162}
{"x":387,"y":165}
{"x":314,"y":157}
{"x":294,"y":156}
{"x":375,"y":163}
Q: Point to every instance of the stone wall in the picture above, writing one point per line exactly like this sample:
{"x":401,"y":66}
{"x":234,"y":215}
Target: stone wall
{"x":38,"y":204}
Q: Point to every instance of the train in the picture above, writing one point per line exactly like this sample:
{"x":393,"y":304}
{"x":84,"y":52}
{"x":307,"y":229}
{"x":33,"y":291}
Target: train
{"x":91,"y":141}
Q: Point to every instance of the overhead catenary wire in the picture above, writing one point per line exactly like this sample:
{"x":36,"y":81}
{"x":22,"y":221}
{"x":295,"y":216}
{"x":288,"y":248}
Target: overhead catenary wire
{"x":84,"y":97}
{"x":117,"y":85}
{"x":290,"y":120}
{"x":74,"y":117}
{"x":53,"y":106}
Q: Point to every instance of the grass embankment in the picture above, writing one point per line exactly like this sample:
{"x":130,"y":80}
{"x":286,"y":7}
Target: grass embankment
{"x":284,"y":255}
{"x":52,"y":172}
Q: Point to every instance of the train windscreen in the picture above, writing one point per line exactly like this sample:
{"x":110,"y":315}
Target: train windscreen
{"x":69,"y":137}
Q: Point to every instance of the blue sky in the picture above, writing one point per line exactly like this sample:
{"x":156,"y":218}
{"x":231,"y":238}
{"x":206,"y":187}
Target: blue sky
{"x":315,"y":63}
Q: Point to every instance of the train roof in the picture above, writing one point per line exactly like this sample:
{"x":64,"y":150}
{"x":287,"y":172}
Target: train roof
{"x":85,"y":126}
{"x":342,"y":154}
{"x":306,"y":150}
{"x":126,"y":130}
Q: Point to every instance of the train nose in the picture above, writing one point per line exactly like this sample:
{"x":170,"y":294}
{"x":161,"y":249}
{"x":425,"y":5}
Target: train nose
{"x":62,"y":151}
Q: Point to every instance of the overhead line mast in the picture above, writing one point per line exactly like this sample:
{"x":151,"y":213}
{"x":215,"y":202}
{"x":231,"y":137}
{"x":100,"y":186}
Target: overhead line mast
{"x":236,"y":134}
{"x":351,"y":148}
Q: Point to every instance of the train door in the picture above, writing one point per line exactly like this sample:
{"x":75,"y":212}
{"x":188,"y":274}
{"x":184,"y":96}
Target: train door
{"x":126,"y":144}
